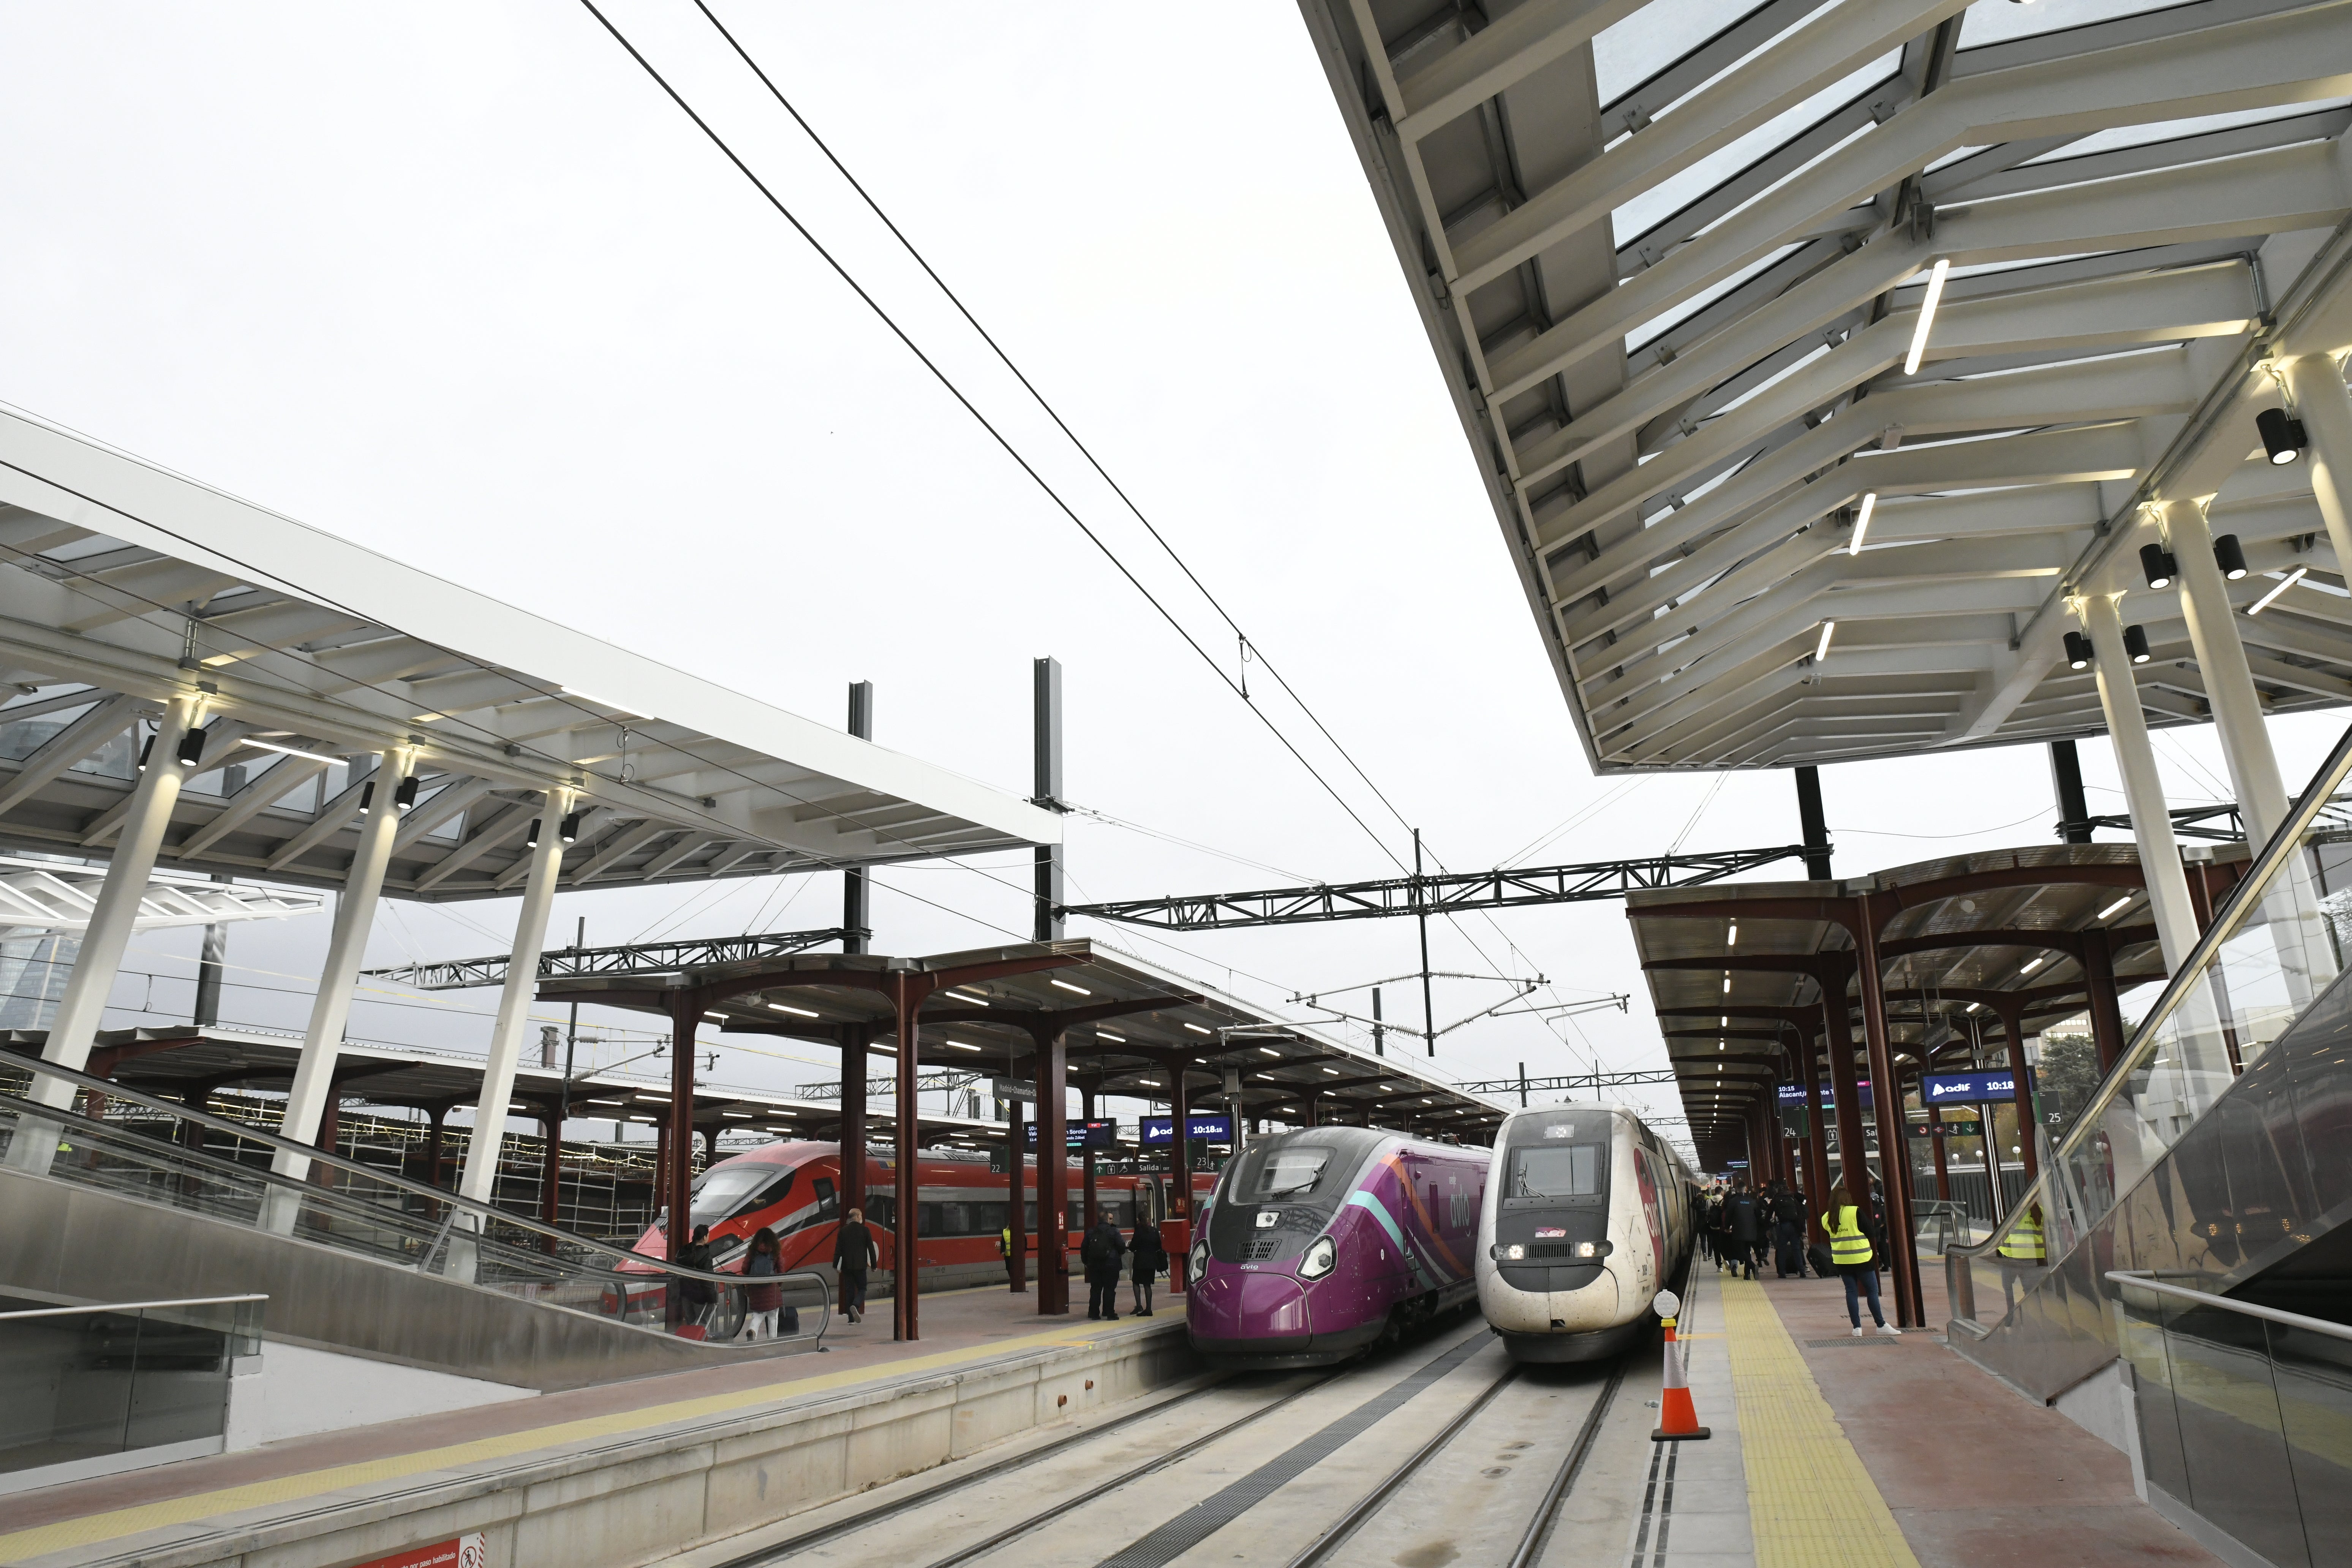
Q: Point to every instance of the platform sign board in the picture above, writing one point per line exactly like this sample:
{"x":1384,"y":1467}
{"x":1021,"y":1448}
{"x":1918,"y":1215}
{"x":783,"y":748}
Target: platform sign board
{"x":1014,"y":1089}
{"x":1969,"y":1087}
{"x":464,"y":1551}
{"x":1794,"y":1094}
{"x":1080,"y":1135}
{"x":1201,"y":1128}
{"x":1968,"y":1129}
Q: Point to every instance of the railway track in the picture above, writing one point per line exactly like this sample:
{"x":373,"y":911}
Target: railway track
{"x":1292,"y":1491}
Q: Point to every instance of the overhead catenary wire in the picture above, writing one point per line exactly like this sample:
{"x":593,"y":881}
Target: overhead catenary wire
{"x":987,"y":424}
{"x":1250,"y":649}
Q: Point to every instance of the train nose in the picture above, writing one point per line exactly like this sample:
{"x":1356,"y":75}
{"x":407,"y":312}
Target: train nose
{"x":1231,"y":1305}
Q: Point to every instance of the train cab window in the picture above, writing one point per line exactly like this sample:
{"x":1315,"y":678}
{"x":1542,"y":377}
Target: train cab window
{"x":828,"y":1203}
{"x":1561,"y":1170}
{"x":1548,"y":1163}
{"x":726,"y":1191}
{"x":1283,"y":1175}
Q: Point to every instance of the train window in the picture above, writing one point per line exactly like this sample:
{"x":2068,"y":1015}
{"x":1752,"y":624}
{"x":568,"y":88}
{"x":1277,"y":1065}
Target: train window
{"x":1560,"y":1171}
{"x":1282,"y":1174}
{"x":828,"y":1205}
{"x":728,"y":1190}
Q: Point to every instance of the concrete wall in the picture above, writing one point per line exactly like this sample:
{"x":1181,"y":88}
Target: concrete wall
{"x":294,"y":1391}
{"x":617,"y":1504}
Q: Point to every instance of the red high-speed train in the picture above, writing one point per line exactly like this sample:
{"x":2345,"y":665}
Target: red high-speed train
{"x":794,"y":1189}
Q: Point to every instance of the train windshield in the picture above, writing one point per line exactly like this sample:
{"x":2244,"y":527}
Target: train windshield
{"x":1279,"y":1195}
{"x":1549,"y":1160}
{"x":729,"y":1190}
{"x":1569,"y":1170}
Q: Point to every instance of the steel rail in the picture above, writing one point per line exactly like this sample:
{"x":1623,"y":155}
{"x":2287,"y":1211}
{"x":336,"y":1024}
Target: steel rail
{"x":896,"y":1507}
{"x":1538,"y":1533}
{"x":1372,"y":1502}
{"x":1126,"y":1478}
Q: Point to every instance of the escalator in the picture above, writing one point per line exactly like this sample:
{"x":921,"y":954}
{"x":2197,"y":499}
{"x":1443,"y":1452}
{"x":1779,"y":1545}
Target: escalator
{"x":354,"y":1260}
{"x":2180,"y":1274}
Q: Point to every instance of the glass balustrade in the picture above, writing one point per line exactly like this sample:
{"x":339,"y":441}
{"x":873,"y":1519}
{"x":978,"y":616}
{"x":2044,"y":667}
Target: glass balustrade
{"x":80,"y":1386}
{"x":2269,"y":954}
{"x":365,"y":1211}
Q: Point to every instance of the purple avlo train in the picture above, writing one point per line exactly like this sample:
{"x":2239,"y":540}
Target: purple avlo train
{"x":1318,"y":1243}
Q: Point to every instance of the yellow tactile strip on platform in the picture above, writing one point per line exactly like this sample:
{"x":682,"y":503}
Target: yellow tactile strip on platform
{"x":1810,"y":1503}
{"x":92,"y":1528}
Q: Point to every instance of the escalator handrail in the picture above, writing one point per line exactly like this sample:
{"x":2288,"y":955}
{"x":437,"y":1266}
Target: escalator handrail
{"x":2286,"y":841}
{"x":132,"y":1306}
{"x":2140,"y":1278}
{"x":111,"y":1090}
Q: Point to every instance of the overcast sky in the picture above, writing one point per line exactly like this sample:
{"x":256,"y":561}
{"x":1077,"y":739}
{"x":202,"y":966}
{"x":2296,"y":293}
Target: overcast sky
{"x":456,"y":281}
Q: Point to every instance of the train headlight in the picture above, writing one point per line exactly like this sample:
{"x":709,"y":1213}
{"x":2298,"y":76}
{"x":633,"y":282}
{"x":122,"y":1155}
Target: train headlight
{"x":1200,"y":1260}
{"x":1511,"y":1254}
{"x":1320,"y":1258}
{"x":1594,"y":1249}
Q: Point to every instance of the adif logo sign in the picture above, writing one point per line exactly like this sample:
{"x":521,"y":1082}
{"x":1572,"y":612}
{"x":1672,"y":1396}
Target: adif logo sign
{"x":1967,"y":1087}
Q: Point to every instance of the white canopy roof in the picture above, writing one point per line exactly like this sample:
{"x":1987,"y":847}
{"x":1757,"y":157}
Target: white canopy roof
{"x":123,"y":584}
{"x":1673,"y":313}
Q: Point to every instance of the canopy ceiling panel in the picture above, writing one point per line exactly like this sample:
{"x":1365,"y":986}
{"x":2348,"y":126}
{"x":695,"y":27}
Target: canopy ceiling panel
{"x":1675,"y":313}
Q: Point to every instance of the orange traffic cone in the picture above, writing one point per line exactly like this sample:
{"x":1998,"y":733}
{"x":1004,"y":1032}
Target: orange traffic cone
{"x":1677,"y":1417}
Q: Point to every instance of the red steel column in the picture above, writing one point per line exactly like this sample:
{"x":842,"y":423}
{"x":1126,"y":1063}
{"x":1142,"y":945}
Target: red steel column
{"x":1053,"y":1177}
{"x":685,"y":1012}
{"x":1090,"y":1210}
{"x":2013,"y":1028}
{"x":551,"y":1173}
{"x":1886,"y":1101}
{"x":1845,"y":1094}
{"x":2099,"y":980}
{"x":1016,"y":1181}
{"x":907,"y":993}
{"x":1179,"y":1189}
{"x":1817,"y":1161}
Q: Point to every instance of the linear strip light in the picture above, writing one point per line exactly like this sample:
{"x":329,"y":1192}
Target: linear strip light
{"x":2259,"y":605}
{"x":1862,"y":522}
{"x":2119,"y":903}
{"x":292,"y":751}
{"x":1927,"y":304}
{"x":1821,"y":651}
{"x":801,"y":1012}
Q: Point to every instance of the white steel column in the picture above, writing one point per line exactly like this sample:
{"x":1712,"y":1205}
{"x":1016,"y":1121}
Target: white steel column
{"x":75,"y":1027}
{"x":514,"y":1002}
{"x":2229,"y":683}
{"x":2325,"y":407}
{"x":314,"y":1074}
{"x":2159,"y":852}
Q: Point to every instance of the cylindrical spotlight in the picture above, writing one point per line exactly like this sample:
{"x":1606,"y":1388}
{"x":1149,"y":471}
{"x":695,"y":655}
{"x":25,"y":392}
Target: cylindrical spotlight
{"x":2157,"y":561}
{"x":192,"y":747}
{"x":530,"y":839}
{"x":2282,"y":436}
{"x":2230,"y":557}
{"x":2078,"y":651}
{"x":405,"y":795}
{"x":2136,"y":644}
{"x":571,"y":828}
{"x":367,"y":797}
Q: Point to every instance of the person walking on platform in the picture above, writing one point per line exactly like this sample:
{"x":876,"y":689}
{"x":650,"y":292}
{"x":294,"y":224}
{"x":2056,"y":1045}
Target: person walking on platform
{"x":853,"y":1252}
{"x":1856,"y":1262}
{"x":1788,"y":1218}
{"x":1745,"y":1217}
{"x":764,"y":1299}
{"x":1004,"y":1250}
{"x":2020,"y":1255}
{"x":1150,"y":1262}
{"x":1100,"y":1254}
{"x":699,"y":1295}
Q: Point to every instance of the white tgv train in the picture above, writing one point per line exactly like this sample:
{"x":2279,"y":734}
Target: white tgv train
{"x":1588,"y":1215}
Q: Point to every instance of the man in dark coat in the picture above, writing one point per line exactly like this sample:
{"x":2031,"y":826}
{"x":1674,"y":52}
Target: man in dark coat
{"x":1100,"y":1254}
{"x":853,"y":1252}
{"x":1745,"y":1217}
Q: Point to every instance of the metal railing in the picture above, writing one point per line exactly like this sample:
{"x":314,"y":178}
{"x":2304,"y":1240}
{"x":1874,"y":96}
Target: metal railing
{"x":87,"y":1387}
{"x":2266,"y":956}
{"x":364,"y":1211}
{"x":2242,"y":1411}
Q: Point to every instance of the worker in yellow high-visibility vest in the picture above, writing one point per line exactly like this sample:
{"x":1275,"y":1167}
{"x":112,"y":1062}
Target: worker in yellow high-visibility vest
{"x":2020,"y":1251}
{"x":1852,"y":1256}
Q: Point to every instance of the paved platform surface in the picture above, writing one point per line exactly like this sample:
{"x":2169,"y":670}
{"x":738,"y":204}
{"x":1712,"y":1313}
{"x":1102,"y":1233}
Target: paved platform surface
{"x":1893,"y":1452}
{"x":961,"y":1329}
